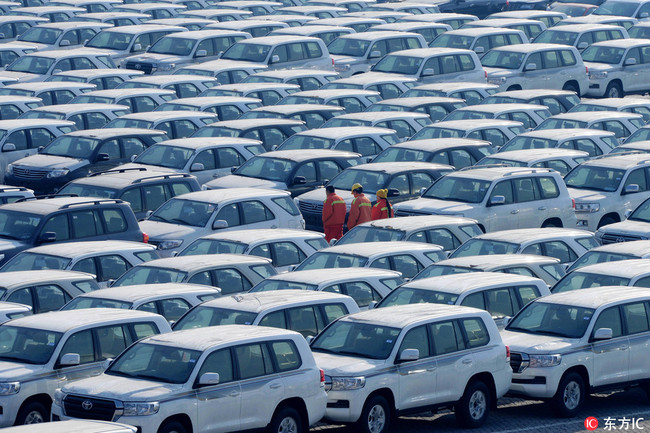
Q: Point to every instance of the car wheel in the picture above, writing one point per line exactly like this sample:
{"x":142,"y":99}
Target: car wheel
{"x":551,"y":224}
{"x":571,"y":88}
{"x":614,"y":90}
{"x":33,"y":413}
{"x":172,"y":427}
{"x":570,"y":395}
{"x":286,"y":420}
{"x":375,"y":416}
{"x":474,"y":406}
{"x":606,"y":221}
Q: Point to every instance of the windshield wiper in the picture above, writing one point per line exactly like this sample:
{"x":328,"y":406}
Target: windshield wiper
{"x":150,"y":377}
{"x":157,"y":218}
{"x":15,"y":358}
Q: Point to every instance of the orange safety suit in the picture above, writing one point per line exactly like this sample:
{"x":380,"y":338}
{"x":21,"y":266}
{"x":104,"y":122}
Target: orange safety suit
{"x":359,"y":211}
{"x":334,"y":211}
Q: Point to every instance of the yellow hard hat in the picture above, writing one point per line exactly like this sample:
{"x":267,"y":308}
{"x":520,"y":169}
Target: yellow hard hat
{"x":356,"y":186}
{"x":382,"y":193}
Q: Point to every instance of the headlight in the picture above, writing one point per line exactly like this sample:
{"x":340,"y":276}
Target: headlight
{"x":9,"y":388}
{"x":168,"y":245}
{"x":166,"y":67}
{"x":537,"y":361}
{"x":587,"y":207}
{"x":341,"y":67}
{"x":58,"y":173}
{"x":597,"y":75}
{"x":141,"y":409}
{"x":58,"y":397}
{"x":10,"y":169}
{"x":497,"y":80}
{"x":348,"y":383}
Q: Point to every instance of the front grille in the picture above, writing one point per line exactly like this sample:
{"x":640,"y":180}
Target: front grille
{"x":29,"y":173}
{"x":310,"y":207}
{"x":402,"y":213}
{"x":138,"y":66}
{"x":612,"y":238}
{"x":515,"y":361}
{"x":77,"y":406}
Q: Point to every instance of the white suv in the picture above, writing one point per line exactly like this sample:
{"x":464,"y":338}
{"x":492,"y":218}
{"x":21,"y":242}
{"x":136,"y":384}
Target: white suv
{"x":384,"y":362}
{"x":567,"y":345}
{"x":498,"y":198}
{"x":240,"y":378}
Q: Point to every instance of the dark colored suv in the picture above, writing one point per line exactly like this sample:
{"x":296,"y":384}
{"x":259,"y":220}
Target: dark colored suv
{"x":35,"y":221}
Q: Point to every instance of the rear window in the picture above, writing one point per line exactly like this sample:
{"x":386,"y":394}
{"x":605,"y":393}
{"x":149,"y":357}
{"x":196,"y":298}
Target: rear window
{"x":255,"y":149}
{"x":264,"y":271}
{"x":287,"y":204}
{"x":435,"y":256}
{"x":588,"y":243}
{"x":317,"y":244}
{"x":114,"y":220}
{"x":145,"y":256}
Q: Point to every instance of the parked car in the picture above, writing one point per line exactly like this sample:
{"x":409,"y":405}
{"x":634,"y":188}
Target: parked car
{"x":626,"y":105}
{"x":12,"y":106}
{"x":472,"y":93}
{"x":71,"y":34}
{"x":496,"y":132}
{"x":634,"y":227}
{"x":84,"y":116}
{"x":561,"y":160}
{"x":593,"y":141}
{"x":138,"y":100}
{"x":581,"y":36}
{"x":175,"y":124}
{"x":530,"y":115}
{"x":225,"y":107}
{"x":103,"y":79}
{"x":557,"y":101}
{"x":480,"y":40}
{"x":405,"y":124}
{"x":365,"y":140}
{"x":613,"y":252}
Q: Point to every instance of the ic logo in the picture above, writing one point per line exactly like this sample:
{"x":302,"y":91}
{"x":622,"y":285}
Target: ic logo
{"x":87,"y":405}
{"x":591,"y":423}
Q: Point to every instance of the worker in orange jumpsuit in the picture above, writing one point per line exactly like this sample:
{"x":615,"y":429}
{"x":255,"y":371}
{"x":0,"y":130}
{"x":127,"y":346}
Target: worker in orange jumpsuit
{"x":382,"y":209}
{"x":361,"y":208}
{"x":334,"y":211}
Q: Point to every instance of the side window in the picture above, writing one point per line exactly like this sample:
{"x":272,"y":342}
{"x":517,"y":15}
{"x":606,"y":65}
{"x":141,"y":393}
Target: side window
{"x":253,"y":360}
{"x":64,"y":65}
{"x":50,"y":297}
{"x":254,"y":211}
{"x":476,"y":332}
{"x":132,"y":146}
{"x":328,"y":169}
{"x":142,"y":330}
{"x":419,"y":181}
{"x":133,"y":197}
{"x":499,"y":302}
{"x":276,"y":319}
{"x":526,"y":189}
{"x":112,"y":266}
{"x":19,"y":139}
{"x":86,"y":265}
{"x":86,"y":223}
{"x":637,"y":177}
{"x":40,"y":137}
{"x":548,"y":187}
{"x":173,"y":309}
{"x":461,"y":158}
{"x":444,"y":238}
{"x":58,"y":224}
{"x":114,"y":220}
{"x":230,"y":214}
{"x":445,"y":337}
{"x":494,"y":136}
{"x":82,"y":63}
{"x":286,"y":253}
{"x":207,"y":159}
{"x":112,"y":341}
{"x":635,"y":54}
{"x":308,"y":171}
{"x":231,"y":281}
{"x":636,"y":318}
{"x":610,"y":318}
{"x":218,"y":362}
{"x":448,"y":64}
{"x":406,"y":264}
{"x":361,"y":292}
{"x":551,"y":59}
{"x":110,"y":148}
{"x":286,"y":355}
{"x":504,"y":189}
{"x":303,"y":320}
{"x":417,"y":338}
{"x":206,"y":45}
{"x":228,"y":157}
{"x":559,"y":250}
{"x":400,"y":183}
{"x":143,"y":104}
{"x":553,"y":105}
{"x":263,"y":250}
{"x":8,"y":111}
{"x":155,"y":195}
{"x":466,"y":64}
{"x":21,"y":296}
{"x":143,"y":40}
{"x":81,"y":343}
{"x":526,"y":294}
{"x":95,"y":120}
{"x":474,"y":300}
{"x":568,"y":59}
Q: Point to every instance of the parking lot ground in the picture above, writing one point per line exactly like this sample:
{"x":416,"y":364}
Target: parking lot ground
{"x":515,"y":415}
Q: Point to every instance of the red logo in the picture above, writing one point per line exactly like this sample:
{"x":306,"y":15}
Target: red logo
{"x":591,"y":423}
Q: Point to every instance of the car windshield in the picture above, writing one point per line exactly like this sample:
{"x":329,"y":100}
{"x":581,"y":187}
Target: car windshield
{"x":584,"y":280}
{"x":482,"y":247}
{"x":129,"y":123}
{"x":149,"y":275}
{"x":503,"y":59}
{"x":211,"y":131}
{"x":552,"y":319}
{"x":184,"y":212}
{"x":348,"y":47}
{"x":641,"y":134}
{"x":173,"y":45}
{"x":306,"y":142}
{"x":42,"y":115}
{"x":155,"y":362}
{"x":460,"y":189}
{"x":270,"y":285}
{"x":322,"y":260}
{"x":439,"y":270}
{"x":556,"y":37}
{"x":170,"y":106}
{"x":337,"y":122}
{"x":524,"y":143}
{"x":371,"y":234}
{"x":452,"y":41}
{"x":31,"y":64}
{"x":165,"y":156}
{"x":247,"y":52}
{"x":639,"y":32}
{"x":34,"y":261}
{"x":617,"y":8}
{"x":261,"y":79}
{"x":412,"y":295}
{"x":399,"y":154}
{"x":83,"y":190}
{"x":27,"y":345}
{"x":594,"y":178}
{"x":260,"y":167}
{"x":595,"y":257}
{"x":201,"y":316}
{"x":41,"y":35}
{"x":609,"y":55}
{"x":214,"y":246}
{"x":71,"y":147}
{"x":92,"y":99}
{"x":111,"y":40}
{"x":18,"y":225}
{"x":437,"y":132}
{"x":81,"y":302}
{"x":372,"y":181}
{"x":559,"y":123}
{"x":294,"y":100}
{"x":398,"y":64}
{"x":468,"y":115}
{"x":362,"y":340}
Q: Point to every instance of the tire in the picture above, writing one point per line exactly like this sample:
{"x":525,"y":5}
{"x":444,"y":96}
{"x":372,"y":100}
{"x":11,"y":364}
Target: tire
{"x":605,"y":221}
{"x":550,"y":224}
{"x":570,"y":396}
{"x":172,"y":427}
{"x":375,"y":416}
{"x":473,"y":408}
{"x":286,"y":420}
{"x":33,"y":413}
{"x":571,"y":88}
{"x":515,"y":87}
{"x":614,"y":90}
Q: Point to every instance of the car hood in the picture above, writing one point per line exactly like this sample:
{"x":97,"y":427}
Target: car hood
{"x":158,"y":230}
{"x":628,"y":227}
{"x":442,"y":207}
{"x":23,"y":77}
{"x":499,"y":72}
{"x":131,"y":165}
{"x":155,"y":58}
{"x":122,"y":388}
{"x":11,"y":371}
{"x":339,"y":365}
{"x":586,"y":195}
{"x":319,"y":195}
{"x":50,"y":162}
{"x":234,"y":181}
{"x":345,"y":59}
{"x":529,"y":343}
{"x":600,"y":67}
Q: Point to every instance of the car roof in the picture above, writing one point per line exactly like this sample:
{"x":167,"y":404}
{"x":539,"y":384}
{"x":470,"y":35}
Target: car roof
{"x":322,"y":276}
{"x":291,"y":73}
{"x":203,"y":142}
{"x":345,"y":131}
{"x":373,"y":36}
{"x":587,"y":116}
{"x":254,"y":123}
{"x":19,"y":123}
{"x":375,"y":77}
{"x":119,"y":93}
{"x":147,"y":291}
{"x":639,"y":248}
{"x":627,"y":268}
{"x":428,"y":52}
{"x":422,"y":100}
{"x":530,"y":48}
{"x":104,"y":133}
{"x":257,"y":302}
{"x":397,"y":167}
{"x":465,"y":282}
{"x":219,"y":195}
{"x":120,"y":178}
{"x":62,"y":25}
{"x":251,"y":87}
{"x":578,"y":28}
{"x":482,"y":31}
{"x":308,"y":154}
{"x":50,"y":85}
{"x":417,"y":222}
{"x":533,"y":93}
{"x":527,"y":235}
{"x":201,"y":101}
{"x":474,"y":123}
{"x":371,"y":116}
{"x":168,"y":79}
{"x":155,"y":116}
{"x":203,"y":261}
{"x":49,"y":205}
{"x":625,"y":161}
{"x":289,"y":109}
{"x":200,"y":34}
{"x":87,"y":73}
{"x":74,"y":108}
{"x":497,"y":260}
{"x":369,"y":249}
{"x":562,"y":133}
{"x":57,"y":54}
{"x":401,"y":316}
{"x":261,"y":235}
{"x":75,"y":249}
{"x":140,"y":28}
{"x":432,"y":144}
{"x":9,"y":280}
{"x":331,"y":93}
{"x":623,"y":43}
{"x":531,"y":155}
{"x":498,"y":108}
{"x":449,"y":86}
{"x":618,"y":102}
{"x":277,"y":39}
{"x":597,"y":296}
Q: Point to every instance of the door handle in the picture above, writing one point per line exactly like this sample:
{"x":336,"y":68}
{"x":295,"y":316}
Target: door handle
{"x":431,"y":369}
{"x":624,"y":347}
{"x":541,"y":208}
{"x":516,"y":211}
{"x":275,"y":386}
{"x":234,"y":393}
{"x":467,"y":361}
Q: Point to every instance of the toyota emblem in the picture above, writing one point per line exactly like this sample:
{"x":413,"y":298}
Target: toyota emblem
{"x":137,"y":66}
{"x":87,"y":405}
{"x":620,"y":239}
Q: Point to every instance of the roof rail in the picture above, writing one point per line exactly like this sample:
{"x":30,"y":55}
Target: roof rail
{"x":13,"y":188}
{"x":475,"y":167}
{"x":610,"y":155}
{"x":120,"y":170}
{"x":163,"y":176}
{"x":99,"y":201}
{"x":45,"y":196}
{"x":528,"y":170}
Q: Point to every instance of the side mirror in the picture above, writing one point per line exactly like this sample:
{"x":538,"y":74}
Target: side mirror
{"x":40,"y":149}
{"x":2,"y":36}
{"x":56,"y":71}
{"x":64,"y":43}
{"x":629,"y":62}
{"x":148,"y":214}
{"x":197,"y":166}
{"x":102,"y":157}
{"x":133,"y":157}
{"x":372,"y":304}
{"x":369,"y":159}
{"x":643,"y":15}
{"x":233,"y":169}
{"x":107,"y":363}
{"x":333,"y":242}
{"x":219,"y":224}
{"x":427,"y":72}
{"x":309,"y":339}
{"x":48,"y":237}
{"x":631,"y":188}
{"x":423,"y":190}
{"x":409,"y":355}
{"x":275,"y":58}
{"x":479,"y":50}
{"x":530,"y":67}
{"x":219,"y":54}
{"x":70,"y":359}
{"x":393,"y":192}
{"x":374,"y":54}
{"x":603,"y":334}
{"x":274,"y":147}
{"x":8,"y":147}
{"x":582,"y":45}
{"x":201,"y":53}
{"x":137,"y":47}
{"x":497,"y":200}
{"x":299,"y":180}
{"x":628,"y":213}
{"x":209,"y":379}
